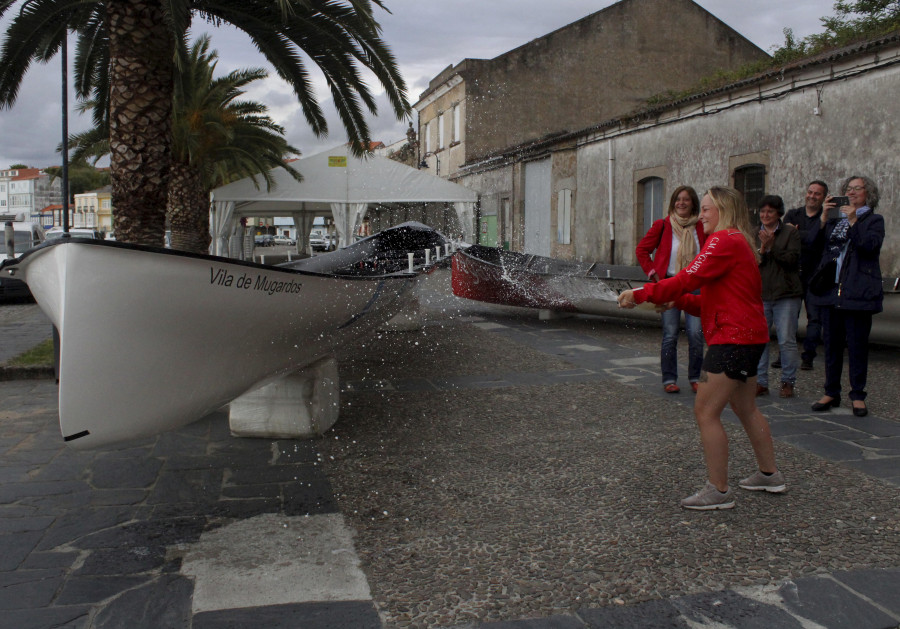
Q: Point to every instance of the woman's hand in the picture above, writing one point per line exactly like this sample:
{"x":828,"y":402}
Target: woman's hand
{"x":765,"y":240}
{"x":850,"y":212}
{"x":626,"y":299}
{"x":826,"y":206}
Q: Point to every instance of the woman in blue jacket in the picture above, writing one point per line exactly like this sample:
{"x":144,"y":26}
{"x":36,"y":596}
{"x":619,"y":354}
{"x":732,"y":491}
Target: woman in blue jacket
{"x":854,"y":240}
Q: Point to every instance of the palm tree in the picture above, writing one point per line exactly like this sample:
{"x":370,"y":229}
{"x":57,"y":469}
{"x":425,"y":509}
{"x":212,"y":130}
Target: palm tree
{"x":216,"y":139}
{"x":126,"y":53}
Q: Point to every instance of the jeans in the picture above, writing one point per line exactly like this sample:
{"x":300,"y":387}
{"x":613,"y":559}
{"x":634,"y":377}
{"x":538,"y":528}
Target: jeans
{"x":668,"y":359}
{"x":846,"y":329}
{"x":782,"y":313}
{"x":813,"y":331}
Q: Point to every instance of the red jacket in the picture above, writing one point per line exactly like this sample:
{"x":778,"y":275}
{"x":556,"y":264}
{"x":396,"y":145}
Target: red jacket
{"x":730,"y":305}
{"x":659,"y":238}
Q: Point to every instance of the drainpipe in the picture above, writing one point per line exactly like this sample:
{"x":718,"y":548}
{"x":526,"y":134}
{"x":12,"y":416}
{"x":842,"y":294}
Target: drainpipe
{"x":612,"y":216}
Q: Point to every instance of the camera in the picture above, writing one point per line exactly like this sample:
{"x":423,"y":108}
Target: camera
{"x":835,"y":212}
{"x":840,"y":201}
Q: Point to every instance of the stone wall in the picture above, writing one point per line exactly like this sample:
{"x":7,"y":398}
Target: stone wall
{"x":602,"y":66}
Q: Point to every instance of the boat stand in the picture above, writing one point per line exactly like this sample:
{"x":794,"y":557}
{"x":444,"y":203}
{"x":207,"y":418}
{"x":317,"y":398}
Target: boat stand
{"x":300,"y":405}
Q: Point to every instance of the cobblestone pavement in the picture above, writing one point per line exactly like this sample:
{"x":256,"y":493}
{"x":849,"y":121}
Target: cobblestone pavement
{"x":497,"y":471}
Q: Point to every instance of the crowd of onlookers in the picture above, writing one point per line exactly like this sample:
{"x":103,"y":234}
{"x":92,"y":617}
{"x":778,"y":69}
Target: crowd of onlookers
{"x":839,"y":237}
{"x":735,"y":281}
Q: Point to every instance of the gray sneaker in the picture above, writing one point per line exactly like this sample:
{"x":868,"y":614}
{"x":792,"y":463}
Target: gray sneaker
{"x":709,"y":498}
{"x":760,"y":482}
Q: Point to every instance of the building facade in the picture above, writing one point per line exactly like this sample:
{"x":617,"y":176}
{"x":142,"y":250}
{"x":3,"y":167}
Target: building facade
{"x":592,"y":194}
{"x":601,"y":66}
{"x":93,"y":210}
{"x":26,"y":191}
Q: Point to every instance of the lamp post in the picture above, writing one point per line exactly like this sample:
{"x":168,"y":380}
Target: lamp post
{"x":65,"y":132}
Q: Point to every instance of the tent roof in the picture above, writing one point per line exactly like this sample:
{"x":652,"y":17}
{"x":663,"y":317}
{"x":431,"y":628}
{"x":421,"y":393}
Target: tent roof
{"x":334,"y":176}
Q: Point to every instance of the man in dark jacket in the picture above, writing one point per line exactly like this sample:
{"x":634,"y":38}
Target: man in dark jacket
{"x":807,"y":221}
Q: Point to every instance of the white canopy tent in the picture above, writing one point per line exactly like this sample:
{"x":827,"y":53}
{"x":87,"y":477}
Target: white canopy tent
{"x":337,"y":184}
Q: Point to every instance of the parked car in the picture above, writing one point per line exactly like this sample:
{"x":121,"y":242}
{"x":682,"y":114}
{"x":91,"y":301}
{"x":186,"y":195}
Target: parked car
{"x":264,"y":240}
{"x":78,"y":232}
{"x":319,"y":241}
{"x":25,"y":236}
{"x":284,"y":240}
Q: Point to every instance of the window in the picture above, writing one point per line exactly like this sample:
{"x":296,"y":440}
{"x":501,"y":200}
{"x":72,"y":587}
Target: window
{"x":2,"y":202}
{"x":441,"y":131}
{"x":456,"y":133}
{"x":428,"y":137}
{"x":750,"y":179}
{"x":564,"y":217}
{"x":652,"y":191}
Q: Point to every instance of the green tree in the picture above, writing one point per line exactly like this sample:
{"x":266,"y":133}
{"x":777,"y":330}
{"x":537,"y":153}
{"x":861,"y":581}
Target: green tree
{"x":83,"y":177}
{"x":216,"y":139}
{"x":125,"y":59}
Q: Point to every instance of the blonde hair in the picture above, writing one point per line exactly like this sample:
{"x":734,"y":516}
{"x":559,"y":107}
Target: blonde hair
{"x":733,"y":213}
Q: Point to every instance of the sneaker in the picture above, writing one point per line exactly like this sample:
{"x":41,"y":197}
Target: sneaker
{"x":694,"y":387}
{"x":806,"y":365}
{"x":787,"y":389}
{"x":709,"y":498}
{"x":761,"y":390}
{"x":773,"y":483}
{"x":672,"y":388}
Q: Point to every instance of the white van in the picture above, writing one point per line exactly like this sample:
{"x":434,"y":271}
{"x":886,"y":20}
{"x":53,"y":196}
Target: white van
{"x":25,"y":236}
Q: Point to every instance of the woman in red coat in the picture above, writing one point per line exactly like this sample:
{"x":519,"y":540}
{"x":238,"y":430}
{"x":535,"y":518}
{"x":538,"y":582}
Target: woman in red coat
{"x":731,"y":311}
{"x":676,"y":239}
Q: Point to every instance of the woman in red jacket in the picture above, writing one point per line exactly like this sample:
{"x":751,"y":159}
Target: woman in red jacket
{"x":731,"y":311}
{"x":676,"y":239}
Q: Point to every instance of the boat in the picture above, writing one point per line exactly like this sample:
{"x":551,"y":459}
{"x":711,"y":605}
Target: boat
{"x":511,"y":278}
{"x":151,"y":339}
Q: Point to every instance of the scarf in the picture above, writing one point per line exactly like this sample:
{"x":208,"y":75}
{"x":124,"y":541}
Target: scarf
{"x":837,"y":242}
{"x":683,"y":228}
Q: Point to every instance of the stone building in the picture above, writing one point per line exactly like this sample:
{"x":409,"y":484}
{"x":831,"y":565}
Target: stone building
{"x":602,"y":66}
{"x":598,"y":189}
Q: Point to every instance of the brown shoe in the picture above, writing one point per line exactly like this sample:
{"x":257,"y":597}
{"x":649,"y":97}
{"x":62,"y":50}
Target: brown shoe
{"x":787,"y":389}
{"x":761,"y":390}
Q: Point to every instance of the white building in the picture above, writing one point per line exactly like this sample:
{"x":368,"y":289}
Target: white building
{"x":26,"y":191}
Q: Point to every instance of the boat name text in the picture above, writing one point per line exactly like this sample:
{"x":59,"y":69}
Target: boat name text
{"x":221,"y":277}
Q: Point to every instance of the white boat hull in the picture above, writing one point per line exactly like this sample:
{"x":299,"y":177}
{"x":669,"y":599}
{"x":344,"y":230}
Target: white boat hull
{"x":151,"y":340}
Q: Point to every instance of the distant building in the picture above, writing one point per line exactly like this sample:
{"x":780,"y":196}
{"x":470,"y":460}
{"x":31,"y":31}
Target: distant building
{"x":93,"y":210}
{"x":26,"y":191}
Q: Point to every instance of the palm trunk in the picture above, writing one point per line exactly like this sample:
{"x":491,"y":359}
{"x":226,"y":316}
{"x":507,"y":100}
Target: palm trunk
{"x":140,"y":130}
{"x":188,"y":209}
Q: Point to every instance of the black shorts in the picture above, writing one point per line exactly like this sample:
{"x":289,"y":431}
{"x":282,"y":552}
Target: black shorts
{"x":738,"y":362}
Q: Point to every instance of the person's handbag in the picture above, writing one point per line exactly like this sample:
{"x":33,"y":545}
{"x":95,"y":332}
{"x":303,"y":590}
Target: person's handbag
{"x":822,"y":281}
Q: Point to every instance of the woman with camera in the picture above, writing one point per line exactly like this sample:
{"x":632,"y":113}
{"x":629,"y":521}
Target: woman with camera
{"x":847,"y":287}
{"x":676,"y":239}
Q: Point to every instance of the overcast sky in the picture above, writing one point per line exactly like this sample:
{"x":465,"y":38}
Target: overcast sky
{"x":425,"y":36}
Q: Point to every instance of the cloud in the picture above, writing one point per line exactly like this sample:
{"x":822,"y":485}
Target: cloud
{"x":424,"y":36}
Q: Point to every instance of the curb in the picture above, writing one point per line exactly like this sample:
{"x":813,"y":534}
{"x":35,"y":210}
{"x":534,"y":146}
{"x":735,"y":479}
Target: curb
{"x":39,"y":372}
